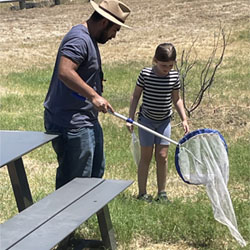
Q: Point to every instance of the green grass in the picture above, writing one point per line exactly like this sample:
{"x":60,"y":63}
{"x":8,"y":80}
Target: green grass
{"x":239,"y":158}
{"x":244,"y":35}
{"x":185,"y":220}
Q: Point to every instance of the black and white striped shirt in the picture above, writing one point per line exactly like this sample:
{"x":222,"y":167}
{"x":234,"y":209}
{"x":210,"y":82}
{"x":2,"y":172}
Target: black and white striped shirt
{"x":157,"y":93}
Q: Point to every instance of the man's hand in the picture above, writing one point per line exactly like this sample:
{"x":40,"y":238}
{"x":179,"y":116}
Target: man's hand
{"x":101,"y":104}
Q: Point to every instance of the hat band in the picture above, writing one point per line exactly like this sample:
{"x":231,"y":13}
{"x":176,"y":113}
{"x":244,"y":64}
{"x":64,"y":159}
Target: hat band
{"x":119,"y":19}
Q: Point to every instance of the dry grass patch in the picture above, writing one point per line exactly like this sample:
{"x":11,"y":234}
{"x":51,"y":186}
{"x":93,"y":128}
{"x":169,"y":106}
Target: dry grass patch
{"x":143,"y":243}
{"x":31,"y":37}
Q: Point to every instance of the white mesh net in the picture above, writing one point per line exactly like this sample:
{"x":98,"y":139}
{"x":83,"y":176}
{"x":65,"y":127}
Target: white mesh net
{"x":203,"y":159}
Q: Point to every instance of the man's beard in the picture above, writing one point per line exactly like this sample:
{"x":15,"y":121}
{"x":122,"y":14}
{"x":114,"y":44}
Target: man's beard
{"x":103,"y":37}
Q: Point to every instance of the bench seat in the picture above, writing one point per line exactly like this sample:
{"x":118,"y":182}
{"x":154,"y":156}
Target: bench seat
{"x":47,"y":222}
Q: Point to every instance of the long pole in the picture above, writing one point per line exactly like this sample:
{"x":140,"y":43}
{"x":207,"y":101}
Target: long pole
{"x":132,"y":122}
{"x":143,"y":127}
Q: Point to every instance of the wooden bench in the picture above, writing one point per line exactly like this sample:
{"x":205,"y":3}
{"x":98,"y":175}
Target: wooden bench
{"x":21,"y":2}
{"x":46,"y":223}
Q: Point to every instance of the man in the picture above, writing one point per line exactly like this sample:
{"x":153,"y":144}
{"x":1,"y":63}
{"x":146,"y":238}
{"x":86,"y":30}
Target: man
{"x":75,"y":97}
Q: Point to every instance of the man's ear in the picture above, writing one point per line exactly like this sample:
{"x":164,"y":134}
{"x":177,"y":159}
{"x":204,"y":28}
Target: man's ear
{"x":104,"y":22}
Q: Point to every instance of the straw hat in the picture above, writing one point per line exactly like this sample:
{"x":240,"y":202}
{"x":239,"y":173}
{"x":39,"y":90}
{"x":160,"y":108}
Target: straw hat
{"x":113,"y":10}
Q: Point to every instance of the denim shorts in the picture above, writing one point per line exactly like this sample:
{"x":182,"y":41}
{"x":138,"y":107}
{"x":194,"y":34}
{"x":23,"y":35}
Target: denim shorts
{"x":79,"y":152}
{"x":162,"y":127}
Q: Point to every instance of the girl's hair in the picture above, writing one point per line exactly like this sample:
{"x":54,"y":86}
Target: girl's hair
{"x":165,"y":52}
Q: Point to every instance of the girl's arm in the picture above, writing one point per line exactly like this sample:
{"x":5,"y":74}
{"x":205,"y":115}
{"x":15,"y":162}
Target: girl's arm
{"x":178,"y":103}
{"x":133,"y":105}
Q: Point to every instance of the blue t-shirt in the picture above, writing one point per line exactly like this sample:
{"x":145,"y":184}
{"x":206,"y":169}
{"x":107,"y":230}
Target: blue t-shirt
{"x":62,"y":106}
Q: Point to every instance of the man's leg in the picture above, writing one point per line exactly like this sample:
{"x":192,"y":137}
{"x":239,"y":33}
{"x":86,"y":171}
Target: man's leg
{"x":99,"y":158}
{"x":75,"y":153}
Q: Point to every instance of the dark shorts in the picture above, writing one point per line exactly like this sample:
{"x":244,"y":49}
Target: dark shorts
{"x":162,"y":127}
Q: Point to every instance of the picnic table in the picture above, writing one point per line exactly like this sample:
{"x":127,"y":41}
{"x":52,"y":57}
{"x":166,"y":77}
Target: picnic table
{"x":14,"y":145}
{"x":21,"y":2}
{"x":50,"y":221}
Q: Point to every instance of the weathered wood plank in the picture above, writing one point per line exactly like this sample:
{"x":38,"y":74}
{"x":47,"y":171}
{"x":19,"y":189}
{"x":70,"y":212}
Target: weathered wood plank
{"x":19,"y":226}
{"x":47,"y":222}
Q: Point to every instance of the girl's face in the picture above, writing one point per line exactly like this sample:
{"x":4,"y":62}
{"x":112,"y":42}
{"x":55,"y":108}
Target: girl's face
{"x":163,"y":68}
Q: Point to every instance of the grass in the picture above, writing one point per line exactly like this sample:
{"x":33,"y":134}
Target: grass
{"x":189,"y":220}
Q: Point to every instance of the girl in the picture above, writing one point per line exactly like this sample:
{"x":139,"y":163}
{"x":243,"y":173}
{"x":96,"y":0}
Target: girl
{"x":159,"y":86}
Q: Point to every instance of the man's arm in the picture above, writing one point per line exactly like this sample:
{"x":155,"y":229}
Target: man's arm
{"x":68,"y":75}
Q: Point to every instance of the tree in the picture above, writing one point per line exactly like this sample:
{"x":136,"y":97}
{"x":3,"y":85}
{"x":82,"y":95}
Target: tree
{"x":207,"y":74}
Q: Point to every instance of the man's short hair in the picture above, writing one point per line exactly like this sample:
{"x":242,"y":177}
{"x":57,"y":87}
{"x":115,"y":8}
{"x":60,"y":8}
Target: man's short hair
{"x":96,"y":17}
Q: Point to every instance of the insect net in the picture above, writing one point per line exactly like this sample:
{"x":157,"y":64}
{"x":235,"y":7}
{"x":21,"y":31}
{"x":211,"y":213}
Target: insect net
{"x":201,"y":158}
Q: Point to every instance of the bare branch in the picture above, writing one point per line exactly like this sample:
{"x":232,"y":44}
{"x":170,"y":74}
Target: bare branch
{"x":207,"y":73}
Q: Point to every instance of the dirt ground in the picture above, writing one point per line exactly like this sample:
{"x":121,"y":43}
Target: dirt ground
{"x":30,"y":37}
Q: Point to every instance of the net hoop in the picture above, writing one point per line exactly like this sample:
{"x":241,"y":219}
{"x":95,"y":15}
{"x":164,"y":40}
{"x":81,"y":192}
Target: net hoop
{"x":188,"y":137}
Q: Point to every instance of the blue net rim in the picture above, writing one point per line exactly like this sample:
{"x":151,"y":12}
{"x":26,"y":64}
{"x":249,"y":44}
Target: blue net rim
{"x":188,"y":137}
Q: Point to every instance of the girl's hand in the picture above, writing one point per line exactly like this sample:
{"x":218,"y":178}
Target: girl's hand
{"x":185,"y":126}
{"x":130,"y":127}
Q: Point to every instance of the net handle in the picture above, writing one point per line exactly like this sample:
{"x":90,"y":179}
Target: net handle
{"x":129,"y":120}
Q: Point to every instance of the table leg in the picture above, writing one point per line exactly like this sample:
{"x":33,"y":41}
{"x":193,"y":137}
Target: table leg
{"x":106,"y":228}
{"x":20,"y":184}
